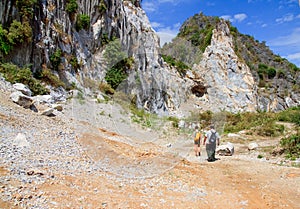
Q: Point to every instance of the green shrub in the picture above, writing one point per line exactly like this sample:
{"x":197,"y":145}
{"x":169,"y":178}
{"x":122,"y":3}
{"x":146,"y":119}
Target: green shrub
{"x":174,"y":120}
{"x":114,"y":77}
{"x":260,"y":156}
{"x":102,"y":6}
{"x":271,"y":73}
{"x":83,"y":22}
{"x":74,"y":62}
{"x":144,"y":118}
{"x":48,"y":77}
{"x":291,"y":146}
{"x":180,"y":66}
{"x":104,"y":39}
{"x":14,"y":74}
{"x":19,"y":32}
{"x":118,"y":64}
{"x":5,"y":46}
{"x":281,"y":73}
{"x":55,"y":59}
{"x":270,"y":129}
{"x":25,"y":7}
{"x":248,"y":120}
{"x":290,"y":115}
{"x":71,"y":6}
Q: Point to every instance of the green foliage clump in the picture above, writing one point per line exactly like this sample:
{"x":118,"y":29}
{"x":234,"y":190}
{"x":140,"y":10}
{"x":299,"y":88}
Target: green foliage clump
{"x":266,"y":71}
{"x":5,"y":46}
{"x":233,"y":30}
{"x":199,"y":30}
{"x":291,"y":146}
{"x":290,"y":115}
{"x":179,"y":65}
{"x":102,"y":6}
{"x":55,"y":59}
{"x":26,"y":7}
{"x":115,"y":76}
{"x":174,"y":120}
{"x":119,"y":64}
{"x":14,"y":74}
{"x":144,"y":118}
{"x":294,"y":67}
{"x":74,"y":62}
{"x":83,"y":22}
{"x":104,"y":39}
{"x":247,"y":120}
{"x":71,"y":6}
{"x":19,"y":32}
{"x":270,"y":128}
{"x":48,"y":77}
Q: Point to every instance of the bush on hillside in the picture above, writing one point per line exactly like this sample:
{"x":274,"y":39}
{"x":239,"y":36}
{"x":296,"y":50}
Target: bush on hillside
{"x":14,"y":74}
{"x":291,"y":146}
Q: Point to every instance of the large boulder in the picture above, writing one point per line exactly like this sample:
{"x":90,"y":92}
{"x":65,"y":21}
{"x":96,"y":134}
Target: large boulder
{"x":22,"y":88}
{"x":21,"y":99}
{"x":225,"y":150}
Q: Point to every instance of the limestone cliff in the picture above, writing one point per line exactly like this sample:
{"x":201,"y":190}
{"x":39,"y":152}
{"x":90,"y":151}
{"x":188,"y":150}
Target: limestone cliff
{"x":55,"y":29}
{"x":235,"y":71}
{"x":230,"y":84}
{"x":72,"y":38}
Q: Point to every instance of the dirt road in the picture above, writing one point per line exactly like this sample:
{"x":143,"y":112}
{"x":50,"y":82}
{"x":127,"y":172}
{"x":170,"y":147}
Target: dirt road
{"x":93,"y":167}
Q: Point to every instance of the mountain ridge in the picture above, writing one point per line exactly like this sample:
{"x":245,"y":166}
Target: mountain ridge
{"x":273,"y":75}
{"x":110,"y":46}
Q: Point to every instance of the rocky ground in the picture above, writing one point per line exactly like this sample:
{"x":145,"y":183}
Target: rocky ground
{"x":91,"y":156}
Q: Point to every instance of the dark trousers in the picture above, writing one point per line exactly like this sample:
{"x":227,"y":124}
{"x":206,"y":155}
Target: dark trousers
{"x":211,"y":151}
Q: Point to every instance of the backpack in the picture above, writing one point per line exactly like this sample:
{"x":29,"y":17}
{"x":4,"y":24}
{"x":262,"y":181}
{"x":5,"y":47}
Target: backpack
{"x":197,"y":136}
{"x":213,"y":137}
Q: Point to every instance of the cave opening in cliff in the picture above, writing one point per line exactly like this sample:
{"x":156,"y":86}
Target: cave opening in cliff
{"x":199,"y":90}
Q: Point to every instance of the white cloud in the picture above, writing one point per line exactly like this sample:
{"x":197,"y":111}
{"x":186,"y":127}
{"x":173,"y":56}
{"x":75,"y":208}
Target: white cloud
{"x":236,"y":18}
{"x":226,"y":17}
{"x":294,"y":58}
{"x":288,"y":46}
{"x":292,"y":39}
{"x":167,"y":34}
{"x":156,"y":25}
{"x":286,"y":18}
{"x":149,"y":6}
{"x":165,"y":37}
{"x":153,"y":5}
{"x":240,"y":17}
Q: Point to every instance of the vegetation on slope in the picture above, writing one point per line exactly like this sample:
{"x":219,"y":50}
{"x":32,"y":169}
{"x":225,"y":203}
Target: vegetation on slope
{"x":271,"y":72}
{"x":264,"y":124}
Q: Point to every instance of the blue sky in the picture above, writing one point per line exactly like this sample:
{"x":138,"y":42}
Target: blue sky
{"x":275,"y":21}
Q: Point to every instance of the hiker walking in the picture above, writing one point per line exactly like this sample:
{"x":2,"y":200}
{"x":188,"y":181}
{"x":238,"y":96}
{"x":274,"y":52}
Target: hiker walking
{"x":211,"y":139}
{"x":197,"y":141}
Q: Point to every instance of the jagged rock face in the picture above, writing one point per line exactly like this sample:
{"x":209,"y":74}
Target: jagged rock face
{"x":156,"y":87}
{"x":230,"y":84}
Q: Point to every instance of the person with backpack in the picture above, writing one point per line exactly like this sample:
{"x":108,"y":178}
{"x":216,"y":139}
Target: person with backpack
{"x":211,"y":140}
{"x":197,"y":141}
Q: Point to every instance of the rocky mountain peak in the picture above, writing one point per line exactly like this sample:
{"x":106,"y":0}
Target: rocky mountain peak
{"x":230,"y":84}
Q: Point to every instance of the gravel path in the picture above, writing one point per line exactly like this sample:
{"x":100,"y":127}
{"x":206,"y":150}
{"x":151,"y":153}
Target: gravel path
{"x":91,"y":156}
